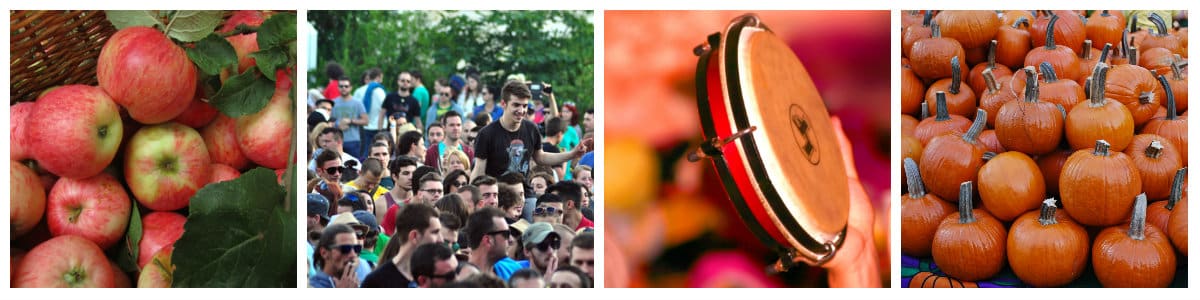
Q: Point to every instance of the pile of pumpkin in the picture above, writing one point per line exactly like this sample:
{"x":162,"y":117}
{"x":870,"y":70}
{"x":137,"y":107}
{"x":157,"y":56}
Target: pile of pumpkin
{"x":1078,"y":121}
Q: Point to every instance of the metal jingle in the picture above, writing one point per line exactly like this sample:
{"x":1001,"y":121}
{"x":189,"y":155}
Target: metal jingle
{"x":714,"y":145}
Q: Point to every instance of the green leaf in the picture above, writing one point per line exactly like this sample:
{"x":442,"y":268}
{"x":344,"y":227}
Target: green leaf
{"x":212,"y":53}
{"x":238,"y":234}
{"x":130,"y":18}
{"x":192,"y":25}
{"x":127,"y":255}
{"x":270,"y":59}
{"x":244,"y":94}
{"x":277,"y":31}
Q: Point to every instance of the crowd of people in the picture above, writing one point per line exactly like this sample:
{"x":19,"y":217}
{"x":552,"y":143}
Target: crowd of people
{"x":464,"y":185}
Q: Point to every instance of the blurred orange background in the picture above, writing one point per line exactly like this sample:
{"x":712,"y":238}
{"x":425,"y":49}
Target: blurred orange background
{"x":669,"y":222}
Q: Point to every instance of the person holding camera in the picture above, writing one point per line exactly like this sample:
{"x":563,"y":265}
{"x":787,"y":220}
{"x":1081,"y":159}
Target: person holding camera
{"x":509,"y":144}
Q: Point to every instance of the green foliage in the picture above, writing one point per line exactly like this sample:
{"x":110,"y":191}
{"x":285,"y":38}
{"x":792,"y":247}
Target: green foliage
{"x":551,"y":46}
{"x":211,"y":54}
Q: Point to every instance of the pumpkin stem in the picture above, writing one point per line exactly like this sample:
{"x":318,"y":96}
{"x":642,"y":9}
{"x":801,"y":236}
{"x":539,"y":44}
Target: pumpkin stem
{"x":1031,"y":82}
{"x":989,"y":80}
{"x":1087,"y":87}
{"x":1176,"y":71}
{"x":1104,"y":53}
{"x":916,"y":187}
{"x":1133,"y":56}
{"x":935,"y":30}
{"x":1101,"y":148}
{"x":1048,"y":71}
{"x":1133,"y":24}
{"x":1104,"y":13}
{"x":1171,"y":114}
{"x":1123,"y":51}
{"x":942,"y":113}
{"x":1137,"y":225}
{"x":965,"y":215}
{"x":987,"y":156}
{"x":972,"y":134}
{"x":955,"y":75}
{"x":1098,"y":84}
{"x":1061,"y":110}
{"x":1087,"y":50}
{"x":991,"y":55}
{"x":1021,"y":20}
{"x":1046,"y":218}
{"x":927,"y":19}
{"x":1159,"y":25}
{"x":1176,"y":188}
{"x":1050,"y":33}
{"x":924,"y":110}
{"x":1154,"y":150}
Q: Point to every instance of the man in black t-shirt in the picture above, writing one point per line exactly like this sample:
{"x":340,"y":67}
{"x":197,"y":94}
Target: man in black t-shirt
{"x":509,"y":144}
{"x":403,"y":101}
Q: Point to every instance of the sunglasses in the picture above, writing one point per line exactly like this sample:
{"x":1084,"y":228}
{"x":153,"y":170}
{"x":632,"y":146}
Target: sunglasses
{"x":449,"y":276}
{"x":444,"y":94}
{"x":452,"y":245}
{"x":345,"y":249}
{"x":590,"y":262}
{"x":545,"y":246}
{"x":460,"y":184}
{"x":548,"y":210}
{"x":332,"y":170}
{"x":344,"y":86}
{"x":505,"y":232}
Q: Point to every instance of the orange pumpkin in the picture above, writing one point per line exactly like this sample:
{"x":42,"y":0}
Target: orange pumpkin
{"x":912,"y":91}
{"x":1099,"y":118}
{"x":1156,"y":160}
{"x":1097,"y":186}
{"x":1171,"y":127}
{"x":1135,"y":88}
{"x":972,"y":28}
{"x":1046,"y":248}
{"x":931,"y":280}
{"x":970,"y":245}
{"x":1013,"y":16}
{"x":1031,"y":126}
{"x":1161,"y":37}
{"x":1062,"y":92}
{"x":997,"y":92}
{"x":1157,"y":60}
{"x":976,"y":81}
{"x":952,"y":159}
{"x":960,"y":99}
{"x":990,"y":142}
{"x":1051,"y":166}
{"x":928,"y":56}
{"x":1069,"y":31}
{"x":1062,"y":57}
{"x":1104,"y":28}
{"x":912,"y":34}
{"x":1088,"y":60}
{"x":920,"y":213}
{"x":908,"y":125}
{"x":1179,"y":226}
{"x":1013,"y":43}
{"x":1159,"y":212}
{"x":1010,"y":184}
{"x":1136,"y":255}
{"x":1178,"y":82}
{"x":942,"y":123}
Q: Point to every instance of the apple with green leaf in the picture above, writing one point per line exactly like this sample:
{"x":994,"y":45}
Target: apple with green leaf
{"x":221,"y":172}
{"x":265,"y":137}
{"x":74,"y":131}
{"x":157,"y":273}
{"x":160,"y":230}
{"x":146,"y":73}
{"x":220,"y":137}
{"x":165,"y":165}
{"x":96,"y":208}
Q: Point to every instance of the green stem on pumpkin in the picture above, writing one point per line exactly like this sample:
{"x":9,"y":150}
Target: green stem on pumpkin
{"x":1177,"y":188}
{"x":1171,"y":114}
{"x":942,"y":112}
{"x":955,"y":75}
{"x":1159,"y":25}
{"x":972,"y":135}
{"x":1050,"y":33}
{"x":965,"y":215}
{"x":916,"y":187}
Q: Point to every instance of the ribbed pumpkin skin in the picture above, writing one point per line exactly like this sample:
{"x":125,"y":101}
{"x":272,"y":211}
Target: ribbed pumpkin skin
{"x":1178,"y":225}
{"x":1120,"y":261}
{"x":912,"y":91}
{"x":1110,"y":122}
{"x":929,"y":56}
{"x":1069,"y":31}
{"x":1156,"y":173}
{"x":1051,"y":166}
{"x":973,"y":251}
{"x":973,"y":28}
{"x":1103,"y":29}
{"x":1012,"y":45}
{"x":1127,"y":83}
{"x":919,"y":219}
{"x":1033,"y":128}
{"x":948,"y":161}
{"x":1099,"y":190}
{"x":1047,"y":256}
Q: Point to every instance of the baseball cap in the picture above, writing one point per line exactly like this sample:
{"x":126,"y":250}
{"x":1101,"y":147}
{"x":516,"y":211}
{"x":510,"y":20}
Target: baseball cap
{"x":318,"y":205}
{"x":366,"y":218}
{"x":537,"y":232}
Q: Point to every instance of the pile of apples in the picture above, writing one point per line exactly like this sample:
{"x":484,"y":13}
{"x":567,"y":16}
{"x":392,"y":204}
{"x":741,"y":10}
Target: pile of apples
{"x":81,"y":155}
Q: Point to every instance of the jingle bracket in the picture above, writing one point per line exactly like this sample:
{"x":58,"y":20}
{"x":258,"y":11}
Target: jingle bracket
{"x":713,"y":146}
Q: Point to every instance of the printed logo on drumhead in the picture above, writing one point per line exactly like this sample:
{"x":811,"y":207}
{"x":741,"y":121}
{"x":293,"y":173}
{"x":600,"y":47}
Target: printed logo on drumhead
{"x":806,"y":140}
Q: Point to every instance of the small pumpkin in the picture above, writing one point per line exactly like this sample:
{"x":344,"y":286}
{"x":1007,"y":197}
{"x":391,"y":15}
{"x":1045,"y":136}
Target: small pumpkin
{"x":960,"y":99}
{"x":996,"y":93}
{"x":1171,"y":127}
{"x":1051,"y":165}
{"x":1098,"y":186}
{"x":1134,"y":87}
{"x":1158,"y":213}
{"x":1137,"y":255}
{"x":952,"y":159}
{"x":1062,"y":57}
{"x":1104,"y":28}
{"x":1178,"y":225}
{"x":975,"y":78}
{"x":972,"y":28}
{"x":1031,"y":126}
{"x":908,"y":125}
{"x":1157,"y":60}
{"x":1161,"y":37}
{"x":1156,"y":160}
{"x":1069,"y":31}
{"x":1099,"y":118}
{"x":912,"y":34}
{"x":1046,"y":248}
{"x":942,"y":123}
{"x":1013,"y":43}
{"x":1178,"y":81}
{"x":931,"y":280}
{"x":990,"y":142}
{"x":912,"y":91}
{"x":928,"y":56}
{"x":911,"y":147}
{"x":1010,"y":184}
{"x":969,"y":245}
{"x":920,"y":213}
{"x":1012,"y":16}
{"x":1089,"y":59}
{"x":1062,"y":92}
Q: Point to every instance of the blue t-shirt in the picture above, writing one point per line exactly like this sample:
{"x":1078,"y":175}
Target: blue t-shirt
{"x":506,"y":267}
{"x":347,"y":108}
{"x":588,"y":160}
{"x":496,"y":112}
{"x":320,"y":280}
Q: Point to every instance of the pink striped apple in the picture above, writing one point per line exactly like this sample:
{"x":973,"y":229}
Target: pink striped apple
{"x":160,"y":230}
{"x":27,"y":199}
{"x":95,"y":208}
{"x":220,"y":137}
{"x":265,"y":137}
{"x":221,"y":172}
{"x":157,"y":273}
{"x":165,"y":165}
{"x":16,"y":128}
{"x":75,"y":132}
{"x":146,"y":73}
{"x":65,"y":261}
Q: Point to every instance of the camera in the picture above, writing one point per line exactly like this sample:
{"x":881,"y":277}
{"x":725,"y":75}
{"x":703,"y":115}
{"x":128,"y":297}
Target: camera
{"x":535,"y":89}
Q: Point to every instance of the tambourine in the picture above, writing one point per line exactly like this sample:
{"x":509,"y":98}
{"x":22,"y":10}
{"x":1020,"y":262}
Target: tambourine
{"x":772,"y":143}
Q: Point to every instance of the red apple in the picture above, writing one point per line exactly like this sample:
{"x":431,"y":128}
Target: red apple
{"x":198,"y":113}
{"x":160,"y":230}
{"x":15,"y":255}
{"x":121,"y":280}
{"x":157,"y":273}
{"x":95,"y":208}
{"x":222,"y":172}
{"x":74,"y":131}
{"x":65,"y":261}
{"x":248,"y":17}
{"x":265,"y":137}
{"x":243,"y":45}
{"x":220,"y":137}
{"x":27,"y":199}
{"x":279,"y":175}
{"x":165,"y":165}
{"x":147,"y":74}
{"x":16,"y":129}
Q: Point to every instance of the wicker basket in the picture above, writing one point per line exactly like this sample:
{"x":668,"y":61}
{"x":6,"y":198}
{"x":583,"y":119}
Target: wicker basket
{"x":52,"y":48}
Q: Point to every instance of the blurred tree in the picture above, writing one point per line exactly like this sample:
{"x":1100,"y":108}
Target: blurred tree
{"x":551,"y":46}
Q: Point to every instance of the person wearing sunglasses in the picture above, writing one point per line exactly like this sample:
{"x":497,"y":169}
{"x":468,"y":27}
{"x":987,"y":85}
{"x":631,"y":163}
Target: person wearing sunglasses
{"x":549,"y":209}
{"x":403,"y":101}
{"x":349,"y":115}
{"x":509,"y":144}
{"x":433,"y":265}
{"x":541,"y":245}
{"x":329,"y":171}
{"x":455,"y":181}
{"x":337,"y":258}
{"x":445,"y":103}
{"x":488,"y":235}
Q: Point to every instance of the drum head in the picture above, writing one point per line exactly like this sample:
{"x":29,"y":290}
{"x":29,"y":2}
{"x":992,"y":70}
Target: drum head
{"x":794,"y":157}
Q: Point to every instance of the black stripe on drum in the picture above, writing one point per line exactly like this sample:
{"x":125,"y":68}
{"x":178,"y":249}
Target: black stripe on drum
{"x":737,"y":104}
{"x":731,"y":187}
